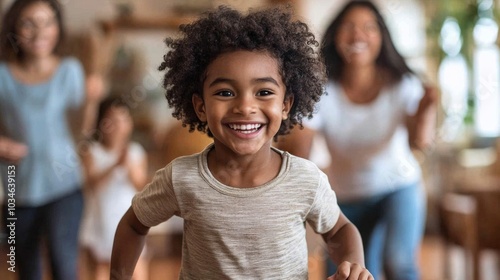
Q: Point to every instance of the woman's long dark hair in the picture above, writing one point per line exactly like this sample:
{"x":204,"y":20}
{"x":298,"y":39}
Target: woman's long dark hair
{"x":9,"y":49}
{"x":389,"y":58}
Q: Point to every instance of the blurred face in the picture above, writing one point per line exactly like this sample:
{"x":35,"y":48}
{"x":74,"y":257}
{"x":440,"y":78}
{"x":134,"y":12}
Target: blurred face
{"x":359,"y":38}
{"x":37,"y":30}
{"x":117,"y":124}
{"x":243,"y":101}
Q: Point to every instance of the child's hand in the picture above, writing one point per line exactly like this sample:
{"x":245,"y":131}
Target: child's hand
{"x":351,"y":271}
{"x":122,"y":160}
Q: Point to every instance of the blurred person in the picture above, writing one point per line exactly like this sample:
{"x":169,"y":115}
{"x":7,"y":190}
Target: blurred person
{"x":243,"y":80}
{"x":43,"y":104}
{"x":375,"y":111}
{"x":116,"y":168}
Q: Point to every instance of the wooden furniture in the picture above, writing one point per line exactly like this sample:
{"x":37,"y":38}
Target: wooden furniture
{"x":179,"y":141}
{"x":458,"y":221}
{"x":471,"y":218}
{"x":141,"y":23}
{"x":175,"y":17}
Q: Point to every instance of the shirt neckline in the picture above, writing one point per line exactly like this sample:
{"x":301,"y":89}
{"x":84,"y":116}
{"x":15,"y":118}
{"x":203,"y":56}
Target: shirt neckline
{"x":242,"y":192}
{"x":40,"y":84}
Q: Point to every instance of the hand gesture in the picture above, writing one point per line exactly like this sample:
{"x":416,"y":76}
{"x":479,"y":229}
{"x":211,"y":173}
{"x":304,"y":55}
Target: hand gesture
{"x":122,"y":159}
{"x":351,"y":271}
{"x":95,"y":88}
{"x":12,"y":151}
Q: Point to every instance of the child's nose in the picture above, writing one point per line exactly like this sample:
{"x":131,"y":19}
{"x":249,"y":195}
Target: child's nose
{"x":244,"y":104}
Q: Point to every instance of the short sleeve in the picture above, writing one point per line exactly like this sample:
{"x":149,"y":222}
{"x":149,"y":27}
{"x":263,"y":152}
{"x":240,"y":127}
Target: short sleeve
{"x":76,"y":83}
{"x":315,"y":122}
{"x":157,"y":202}
{"x":325,"y":211}
{"x":136,"y":152}
{"x":412,"y":91}
{"x":321,"y":108}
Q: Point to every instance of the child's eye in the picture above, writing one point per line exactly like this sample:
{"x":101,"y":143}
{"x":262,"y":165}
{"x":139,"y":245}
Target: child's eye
{"x":264,"y":93}
{"x":224,"y":93}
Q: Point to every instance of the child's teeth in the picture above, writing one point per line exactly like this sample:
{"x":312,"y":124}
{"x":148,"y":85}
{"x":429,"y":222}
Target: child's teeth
{"x":244,"y":127}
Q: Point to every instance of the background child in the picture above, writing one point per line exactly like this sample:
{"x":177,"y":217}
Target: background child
{"x":243,"y":80}
{"x":116,"y":169}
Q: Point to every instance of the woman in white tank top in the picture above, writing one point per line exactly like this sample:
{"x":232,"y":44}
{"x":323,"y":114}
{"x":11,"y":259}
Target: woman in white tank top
{"x":375,"y":112}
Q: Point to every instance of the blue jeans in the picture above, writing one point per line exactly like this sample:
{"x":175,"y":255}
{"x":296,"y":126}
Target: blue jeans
{"x":55,"y":225}
{"x":391,"y":226}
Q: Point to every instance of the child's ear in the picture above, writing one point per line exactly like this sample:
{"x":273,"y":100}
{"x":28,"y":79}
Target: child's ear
{"x":287,"y":106}
{"x":199,"y":107}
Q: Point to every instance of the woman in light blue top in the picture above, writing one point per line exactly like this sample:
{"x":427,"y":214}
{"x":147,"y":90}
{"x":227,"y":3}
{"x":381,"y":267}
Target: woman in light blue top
{"x":41,"y":174}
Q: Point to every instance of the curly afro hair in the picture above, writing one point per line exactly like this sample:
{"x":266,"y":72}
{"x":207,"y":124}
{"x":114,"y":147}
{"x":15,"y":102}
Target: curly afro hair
{"x":224,"y":30}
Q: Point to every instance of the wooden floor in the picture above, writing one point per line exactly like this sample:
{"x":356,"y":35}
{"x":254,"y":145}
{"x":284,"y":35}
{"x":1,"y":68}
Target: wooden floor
{"x":433,"y":263}
{"x":436,"y":264}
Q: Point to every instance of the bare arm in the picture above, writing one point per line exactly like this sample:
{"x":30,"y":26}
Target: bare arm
{"x":127,"y":247}
{"x":137,"y":172}
{"x":344,"y":242}
{"x":298,"y":142}
{"x":421,"y":126}
{"x":345,"y":248}
{"x":94,"y":93}
{"x":93,"y":177}
{"x":82,"y":118}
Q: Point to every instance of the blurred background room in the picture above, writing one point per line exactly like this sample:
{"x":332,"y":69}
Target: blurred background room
{"x":451,"y":44}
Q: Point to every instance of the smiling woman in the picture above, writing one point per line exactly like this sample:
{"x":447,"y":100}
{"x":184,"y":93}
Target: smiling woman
{"x":376,"y":111}
{"x":40,"y":92}
{"x":38,"y":30}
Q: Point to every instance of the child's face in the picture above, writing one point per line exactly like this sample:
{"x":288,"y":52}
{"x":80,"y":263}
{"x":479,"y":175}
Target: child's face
{"x":359,"y":38}
{"x":117,"y":124}
{"x":243,"y":100}
{"x":37,"y":30}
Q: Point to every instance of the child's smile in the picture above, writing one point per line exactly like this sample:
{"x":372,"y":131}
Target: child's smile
{"x":245,"y":128}
{"x":243,"y":100}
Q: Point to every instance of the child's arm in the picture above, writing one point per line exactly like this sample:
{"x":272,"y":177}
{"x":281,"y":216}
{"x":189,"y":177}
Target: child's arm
{"x":95,"y":178}
{"x":346,"y":250}
{"x":137,"y":172}
{"x":127,"y":246}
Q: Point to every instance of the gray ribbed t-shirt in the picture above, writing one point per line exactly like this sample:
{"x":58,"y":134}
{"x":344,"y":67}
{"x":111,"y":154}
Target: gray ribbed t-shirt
{"x":241,"y":233}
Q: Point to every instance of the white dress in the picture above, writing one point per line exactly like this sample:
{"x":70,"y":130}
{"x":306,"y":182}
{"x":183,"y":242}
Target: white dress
{"x":106,"y":204}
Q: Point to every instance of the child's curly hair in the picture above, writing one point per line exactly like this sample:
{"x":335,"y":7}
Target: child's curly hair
{"x":224,"y":30}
